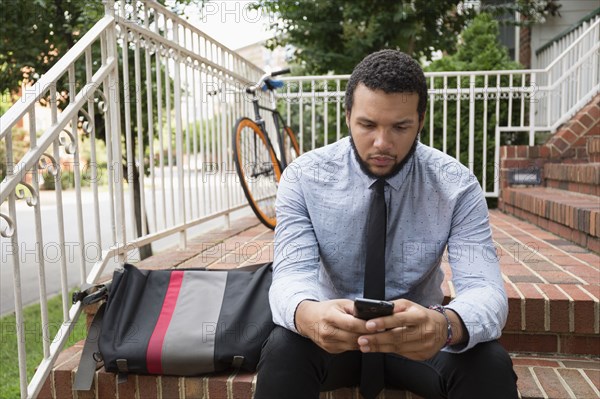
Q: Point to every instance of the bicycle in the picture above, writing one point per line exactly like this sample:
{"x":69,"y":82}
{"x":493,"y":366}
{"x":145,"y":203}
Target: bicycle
{"x":256,"y":161}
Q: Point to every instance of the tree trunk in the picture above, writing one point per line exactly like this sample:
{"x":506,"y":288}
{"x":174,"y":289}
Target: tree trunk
{"x":145,"y":250}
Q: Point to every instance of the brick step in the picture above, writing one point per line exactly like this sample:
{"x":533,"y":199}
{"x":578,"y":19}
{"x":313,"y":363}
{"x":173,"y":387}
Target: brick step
{"x":581,"y":178}
{"x":549,"y":318}
{"x":540,"y":376}
{"x":573,"y":216}
{"x":553,"y":289}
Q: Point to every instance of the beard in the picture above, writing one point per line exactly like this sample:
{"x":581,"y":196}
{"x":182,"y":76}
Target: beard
{"x":395,"y":170}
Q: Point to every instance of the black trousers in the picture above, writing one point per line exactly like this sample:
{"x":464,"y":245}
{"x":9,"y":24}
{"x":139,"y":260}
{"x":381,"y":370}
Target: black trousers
{"x":292,"y":366}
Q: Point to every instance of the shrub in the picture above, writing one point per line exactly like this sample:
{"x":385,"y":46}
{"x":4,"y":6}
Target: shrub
{"x":478,"y":49}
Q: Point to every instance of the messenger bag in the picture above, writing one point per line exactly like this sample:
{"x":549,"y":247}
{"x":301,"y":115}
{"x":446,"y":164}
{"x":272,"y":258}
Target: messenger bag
{"x":180,"y":322}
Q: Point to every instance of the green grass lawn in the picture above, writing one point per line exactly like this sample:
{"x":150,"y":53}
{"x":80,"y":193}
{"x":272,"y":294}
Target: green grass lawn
{"x":9,"y":364}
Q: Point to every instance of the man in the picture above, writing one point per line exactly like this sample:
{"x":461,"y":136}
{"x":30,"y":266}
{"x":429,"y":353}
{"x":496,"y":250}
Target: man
{"x":323,"y":223}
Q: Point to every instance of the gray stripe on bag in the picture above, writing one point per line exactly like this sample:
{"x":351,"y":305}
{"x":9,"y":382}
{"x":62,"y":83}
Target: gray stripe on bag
{"x":189,"y":344}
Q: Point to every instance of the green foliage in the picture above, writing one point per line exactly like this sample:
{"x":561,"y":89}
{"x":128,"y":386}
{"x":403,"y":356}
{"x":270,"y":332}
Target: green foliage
{"x":19,"y":147}
{"x":67,"y":180}
{"x":325,"y":120}
{"x":9,"y":367}
{"x":34,"y":34}
{"x":333,"y":36}
{"x":532,"y":11}
{"x":479,"y":49}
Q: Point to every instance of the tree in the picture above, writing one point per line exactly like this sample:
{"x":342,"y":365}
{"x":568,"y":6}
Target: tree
{"x":36,"y":33}
{"x":478,"y":49}
{"x":333,"y":36}
{"x":532,"y":11}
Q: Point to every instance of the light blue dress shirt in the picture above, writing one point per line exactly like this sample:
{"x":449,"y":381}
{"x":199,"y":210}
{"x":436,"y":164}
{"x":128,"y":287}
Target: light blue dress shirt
{"x":322,"y":204}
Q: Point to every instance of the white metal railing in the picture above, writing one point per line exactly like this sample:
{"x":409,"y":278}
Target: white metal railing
{"x":462,"y":106}
{"x":143,"y":80}
{"x":571,"y":79}
{"x":149,"y":99}
{"x":547,"y":53}
{"x":469,"y":111}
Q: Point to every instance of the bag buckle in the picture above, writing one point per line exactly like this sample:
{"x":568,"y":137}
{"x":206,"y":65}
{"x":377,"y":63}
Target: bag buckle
{"x":93,"y":294}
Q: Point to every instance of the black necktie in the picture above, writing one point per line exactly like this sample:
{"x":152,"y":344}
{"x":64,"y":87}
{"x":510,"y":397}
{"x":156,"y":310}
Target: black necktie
{"x":372,"y":373}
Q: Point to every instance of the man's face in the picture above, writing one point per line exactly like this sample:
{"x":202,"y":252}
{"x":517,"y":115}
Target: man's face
{"x":384,"y":127}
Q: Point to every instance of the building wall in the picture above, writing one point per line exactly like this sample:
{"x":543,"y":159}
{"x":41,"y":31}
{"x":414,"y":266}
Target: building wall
{"x":259,"y":55}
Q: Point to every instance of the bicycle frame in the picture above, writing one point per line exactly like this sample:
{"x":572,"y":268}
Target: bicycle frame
{"x":279,"y":126}
{"x":263,"y":162}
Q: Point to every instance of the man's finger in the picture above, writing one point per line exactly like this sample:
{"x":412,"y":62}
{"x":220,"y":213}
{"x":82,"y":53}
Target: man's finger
{"x":398,"y":338}
{"x":401,"y":319}
{"x":341,"y":336}
{"x":352,"y":324}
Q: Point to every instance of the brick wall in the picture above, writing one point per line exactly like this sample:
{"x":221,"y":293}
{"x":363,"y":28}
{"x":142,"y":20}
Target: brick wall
{"x":593,"y":149}
{"x":578,"y":141}
{"x":525,"y":47}
{"x":571,"y":140}
{"x":569,"y":163}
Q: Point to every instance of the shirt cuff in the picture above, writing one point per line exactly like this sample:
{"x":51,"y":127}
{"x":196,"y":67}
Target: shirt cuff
{"x":290,"y":314}
{"x":477,"y":328}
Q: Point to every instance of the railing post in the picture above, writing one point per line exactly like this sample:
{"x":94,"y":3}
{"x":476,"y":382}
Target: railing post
{"x":471,"y":122}
{"x":179,"y":139}
{"x":226,"y":153}
{"x":114,"y":110}
{"x":14,"y":242}
{"x":532,"y":102}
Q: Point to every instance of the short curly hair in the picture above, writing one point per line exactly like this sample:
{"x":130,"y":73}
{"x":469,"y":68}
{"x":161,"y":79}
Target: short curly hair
{"x":391,"y":71}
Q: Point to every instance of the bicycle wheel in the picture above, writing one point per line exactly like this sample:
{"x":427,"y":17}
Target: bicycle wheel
{"x":290,"y":145}
{"x":258,"y":168}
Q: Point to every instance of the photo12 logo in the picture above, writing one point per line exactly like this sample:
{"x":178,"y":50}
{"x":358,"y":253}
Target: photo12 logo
{"x":235,"y":12}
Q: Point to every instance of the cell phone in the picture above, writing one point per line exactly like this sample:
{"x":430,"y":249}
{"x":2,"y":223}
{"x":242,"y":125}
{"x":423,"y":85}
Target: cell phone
{"x":367,"y":309}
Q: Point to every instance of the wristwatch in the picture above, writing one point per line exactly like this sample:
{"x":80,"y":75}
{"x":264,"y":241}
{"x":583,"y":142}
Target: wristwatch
{"x":442,"y":310}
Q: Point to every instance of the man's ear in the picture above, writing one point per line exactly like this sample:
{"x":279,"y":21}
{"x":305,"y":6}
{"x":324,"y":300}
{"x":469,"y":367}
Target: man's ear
{"x":348,"y":119}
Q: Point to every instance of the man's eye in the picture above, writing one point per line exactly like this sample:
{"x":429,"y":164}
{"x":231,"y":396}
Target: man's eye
{"x":367,"y":125}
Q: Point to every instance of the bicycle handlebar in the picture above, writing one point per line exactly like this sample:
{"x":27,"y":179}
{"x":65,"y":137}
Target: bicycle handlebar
{"x":252,"y":89}
{"x":281,"y":72}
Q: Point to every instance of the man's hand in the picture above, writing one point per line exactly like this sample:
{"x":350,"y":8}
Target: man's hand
{"x":330,"y":324}
{"x":413,"y":331}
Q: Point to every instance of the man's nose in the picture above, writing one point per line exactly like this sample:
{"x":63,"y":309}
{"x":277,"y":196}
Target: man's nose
{"x":382,"y":140}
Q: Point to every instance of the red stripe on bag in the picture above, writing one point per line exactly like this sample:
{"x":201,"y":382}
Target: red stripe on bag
{"x":154,"y":352}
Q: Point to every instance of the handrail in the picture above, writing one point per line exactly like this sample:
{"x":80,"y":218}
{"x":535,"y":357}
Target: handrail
{"x":161,"y":9}
{"x":185,"y":52}
{"x":33,"y":94}
{"x":30,"y":159}
{"x":570,"y":29}
{"x":572,"y":45}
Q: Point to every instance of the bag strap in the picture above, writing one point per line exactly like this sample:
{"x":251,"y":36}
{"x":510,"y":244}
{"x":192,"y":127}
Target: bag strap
{"x":88,"y":362}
